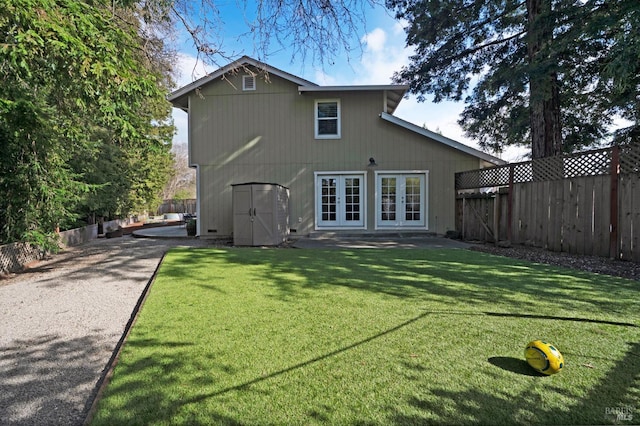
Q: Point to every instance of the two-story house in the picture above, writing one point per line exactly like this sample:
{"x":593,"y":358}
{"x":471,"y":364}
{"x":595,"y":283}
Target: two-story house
{"x":349,"y":163}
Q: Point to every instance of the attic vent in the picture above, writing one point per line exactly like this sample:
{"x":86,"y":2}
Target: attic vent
{"x":248,"y":82}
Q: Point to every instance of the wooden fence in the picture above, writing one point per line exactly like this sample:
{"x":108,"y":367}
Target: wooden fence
{"x":586,"y":203}
{"x":177,"y":206}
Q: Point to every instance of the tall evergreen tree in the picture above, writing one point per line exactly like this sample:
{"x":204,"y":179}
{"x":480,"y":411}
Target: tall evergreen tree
{"x":542,"y":73}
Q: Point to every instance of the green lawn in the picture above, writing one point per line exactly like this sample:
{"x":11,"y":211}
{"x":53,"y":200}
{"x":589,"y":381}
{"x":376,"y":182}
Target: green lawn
{"x":366,"y":337}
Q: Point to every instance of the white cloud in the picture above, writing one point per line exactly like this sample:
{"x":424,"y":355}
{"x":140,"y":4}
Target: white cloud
{"x":324,"y":79}
{"x":441,"y":117}
{"x":389,"y":55}
{"x":398,"y":28}
{"x":189,"y":69}
{"x":375,"y":40}
{"x":382,"y":57}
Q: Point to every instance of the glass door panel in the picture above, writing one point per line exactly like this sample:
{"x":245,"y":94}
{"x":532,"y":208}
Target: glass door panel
{"x":352,"y":201}
{"x":413,"y":199}
{"x":389,"y":198}
{"x":329,"y":199}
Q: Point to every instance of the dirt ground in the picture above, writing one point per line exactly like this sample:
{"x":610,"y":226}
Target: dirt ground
{"x":600,"y":265}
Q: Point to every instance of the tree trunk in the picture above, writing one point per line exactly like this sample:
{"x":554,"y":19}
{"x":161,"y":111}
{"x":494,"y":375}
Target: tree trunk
{"x":544,"y":93}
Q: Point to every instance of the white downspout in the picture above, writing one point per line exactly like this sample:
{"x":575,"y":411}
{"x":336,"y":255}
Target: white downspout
{"x":196,"y":166}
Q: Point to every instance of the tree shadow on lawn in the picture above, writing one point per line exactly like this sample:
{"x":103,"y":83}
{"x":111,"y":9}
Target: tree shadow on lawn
{"x":156,"y":394}
{"x":453,"y":277}
{"x":152,"y":388}
{"x":620,"y":387}
{"x":164,"y":370}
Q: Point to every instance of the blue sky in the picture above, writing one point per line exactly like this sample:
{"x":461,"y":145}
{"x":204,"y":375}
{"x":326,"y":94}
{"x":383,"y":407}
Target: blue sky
{"x":383,"y":52}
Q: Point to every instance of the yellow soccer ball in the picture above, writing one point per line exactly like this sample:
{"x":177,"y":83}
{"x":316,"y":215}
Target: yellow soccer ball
{"x":543,"y":357}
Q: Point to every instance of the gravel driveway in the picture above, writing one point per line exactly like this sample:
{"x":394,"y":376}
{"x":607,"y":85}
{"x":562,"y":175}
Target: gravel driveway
{"x":60,"y":322}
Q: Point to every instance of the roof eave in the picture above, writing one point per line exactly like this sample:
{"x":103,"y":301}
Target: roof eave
{"x":395,"y":92}
{"x":316,"y":88}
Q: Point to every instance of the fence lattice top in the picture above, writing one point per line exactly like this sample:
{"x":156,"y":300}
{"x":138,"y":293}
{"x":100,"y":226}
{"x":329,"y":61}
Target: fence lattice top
{"x":589,"y":163}
{"x":630,"y":159}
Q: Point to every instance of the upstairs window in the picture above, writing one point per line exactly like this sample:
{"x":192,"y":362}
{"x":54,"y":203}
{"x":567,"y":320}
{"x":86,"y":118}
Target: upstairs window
{"x":327,"y":119}
{"x":248,"y":82}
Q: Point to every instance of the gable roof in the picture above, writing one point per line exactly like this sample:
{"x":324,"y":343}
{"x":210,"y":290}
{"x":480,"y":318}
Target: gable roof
{"x":442,"y":139}
{"x":394,"y":93}
{"x":179,"y":97}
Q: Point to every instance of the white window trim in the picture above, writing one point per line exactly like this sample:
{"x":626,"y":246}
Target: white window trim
{"x":315,"y":119}
{"x":246,"y":78}
{"x":376,"y":197}
{"x":318,"y":207}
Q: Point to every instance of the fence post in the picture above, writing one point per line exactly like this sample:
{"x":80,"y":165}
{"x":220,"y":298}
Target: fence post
{"x":464,"y":199}
{"x":614,"y":244}
{"x":496,"y":216}
{"x":510,"y":204}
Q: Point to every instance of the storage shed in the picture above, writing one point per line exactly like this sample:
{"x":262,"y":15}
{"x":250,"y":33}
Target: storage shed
{"x":260,"y":214}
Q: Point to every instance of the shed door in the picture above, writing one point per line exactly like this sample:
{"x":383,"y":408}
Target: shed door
{"x":253,"y":214}
{"x":242,"y":215}
{"x":262,"y":197}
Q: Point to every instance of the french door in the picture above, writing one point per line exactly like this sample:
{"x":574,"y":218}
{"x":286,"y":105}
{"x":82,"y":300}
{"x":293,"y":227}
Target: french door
{"x":401,"y":200}
{"x":340,"y":201}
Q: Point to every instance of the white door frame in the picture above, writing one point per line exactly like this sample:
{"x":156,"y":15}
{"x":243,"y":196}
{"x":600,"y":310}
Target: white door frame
{"x":341,"y":206}
{"x":423,"y":223}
